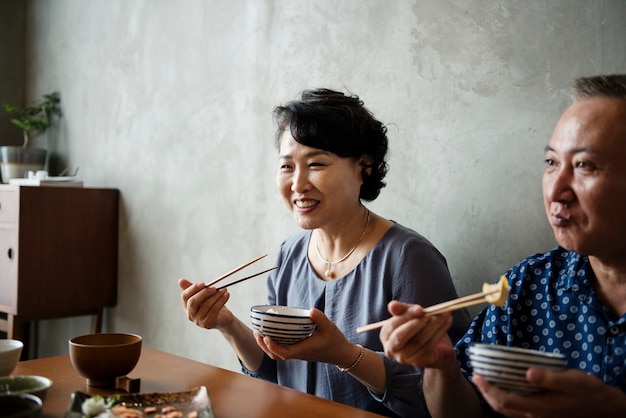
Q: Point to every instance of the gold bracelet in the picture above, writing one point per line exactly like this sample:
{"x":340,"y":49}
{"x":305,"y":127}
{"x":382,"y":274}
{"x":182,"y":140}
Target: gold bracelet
{"x":356,"y":362}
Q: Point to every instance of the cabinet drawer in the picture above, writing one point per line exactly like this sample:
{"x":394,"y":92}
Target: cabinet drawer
{"x":8,"y":205}
{"x":8,"y":270}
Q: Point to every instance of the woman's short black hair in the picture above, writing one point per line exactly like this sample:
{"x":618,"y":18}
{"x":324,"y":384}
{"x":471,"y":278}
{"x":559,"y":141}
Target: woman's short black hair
{"x":338,"y":123}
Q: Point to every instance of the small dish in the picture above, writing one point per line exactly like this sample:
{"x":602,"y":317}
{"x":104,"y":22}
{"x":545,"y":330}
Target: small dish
{"x":20,"y":406}
{"x":16,"y":385}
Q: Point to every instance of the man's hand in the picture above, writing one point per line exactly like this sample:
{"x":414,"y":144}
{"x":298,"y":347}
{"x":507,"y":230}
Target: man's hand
{"x":570,"y":394}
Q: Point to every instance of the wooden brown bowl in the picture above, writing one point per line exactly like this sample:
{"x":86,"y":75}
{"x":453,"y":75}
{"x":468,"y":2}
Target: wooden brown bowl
{"x":101,"y":358}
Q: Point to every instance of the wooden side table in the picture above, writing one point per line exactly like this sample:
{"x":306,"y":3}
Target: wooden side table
{"x":58,"y":255}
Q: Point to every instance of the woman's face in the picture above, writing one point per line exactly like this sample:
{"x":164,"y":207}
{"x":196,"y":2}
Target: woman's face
{"x":584,"y":184}
{"x":320,"y":188}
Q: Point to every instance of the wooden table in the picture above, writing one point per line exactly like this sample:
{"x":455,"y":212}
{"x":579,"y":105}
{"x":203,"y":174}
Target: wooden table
{"x":233,"y":395}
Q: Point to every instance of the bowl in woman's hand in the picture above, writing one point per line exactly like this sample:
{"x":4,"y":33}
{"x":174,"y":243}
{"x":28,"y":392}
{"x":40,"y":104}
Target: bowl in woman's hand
{"x":506,"y":366}
{"x":101,"y":358}
{"x":284,"y":324}
{"x":10,"y":352}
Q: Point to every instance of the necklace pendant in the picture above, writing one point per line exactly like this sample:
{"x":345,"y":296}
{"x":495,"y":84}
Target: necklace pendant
{"x":329,"y":274}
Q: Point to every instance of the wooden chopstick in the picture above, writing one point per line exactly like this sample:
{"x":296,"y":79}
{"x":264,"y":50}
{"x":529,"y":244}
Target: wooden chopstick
{"x":372,"y":326}
{"x":459,"y":303}
{"x":235,"y":270}
{"x":246,"y":278}
{"x":449,"y":306}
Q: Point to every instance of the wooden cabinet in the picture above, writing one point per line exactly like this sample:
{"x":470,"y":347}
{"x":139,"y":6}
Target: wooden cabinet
{"x":58,"y":255}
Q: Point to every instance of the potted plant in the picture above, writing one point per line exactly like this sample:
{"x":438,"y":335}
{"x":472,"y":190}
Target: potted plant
{"x":33,"y":120}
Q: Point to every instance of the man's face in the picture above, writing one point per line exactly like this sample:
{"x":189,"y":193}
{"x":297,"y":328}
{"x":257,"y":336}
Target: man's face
{"x":584,"y":184}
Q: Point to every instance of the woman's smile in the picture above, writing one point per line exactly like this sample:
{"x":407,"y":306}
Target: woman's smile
{"x":305,"y":203}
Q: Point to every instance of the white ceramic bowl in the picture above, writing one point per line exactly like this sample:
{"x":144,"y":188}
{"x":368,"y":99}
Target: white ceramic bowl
{"x":506,"y":366}
{"x":284,"y":324}
{"x":10,"y":351}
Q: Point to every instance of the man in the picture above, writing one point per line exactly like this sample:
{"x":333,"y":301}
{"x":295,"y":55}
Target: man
{"x":571,"y":299}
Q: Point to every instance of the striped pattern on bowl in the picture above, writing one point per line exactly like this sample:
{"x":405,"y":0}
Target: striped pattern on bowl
{"x":284,"y":324}
{"x":506,"y":366}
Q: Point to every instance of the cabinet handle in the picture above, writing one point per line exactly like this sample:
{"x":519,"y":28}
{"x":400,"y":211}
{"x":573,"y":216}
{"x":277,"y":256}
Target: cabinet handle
{"x":10,"y":253}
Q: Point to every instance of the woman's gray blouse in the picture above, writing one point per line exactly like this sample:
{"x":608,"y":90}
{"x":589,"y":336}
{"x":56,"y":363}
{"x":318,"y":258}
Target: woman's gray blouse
{"x":402,"y":266}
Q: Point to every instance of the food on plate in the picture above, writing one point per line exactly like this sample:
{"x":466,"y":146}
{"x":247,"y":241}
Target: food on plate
{"x":111,"y":407}
{"x":96,"y":405}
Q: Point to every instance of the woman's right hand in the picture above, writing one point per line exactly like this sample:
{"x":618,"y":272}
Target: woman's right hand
{"x":205,"y":306}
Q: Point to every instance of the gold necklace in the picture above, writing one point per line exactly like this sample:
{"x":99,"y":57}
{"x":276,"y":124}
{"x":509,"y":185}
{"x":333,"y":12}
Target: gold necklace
{"x":329,"y":264}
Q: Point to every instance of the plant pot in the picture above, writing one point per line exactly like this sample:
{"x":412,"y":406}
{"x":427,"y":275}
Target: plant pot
{"x":16,"y":162}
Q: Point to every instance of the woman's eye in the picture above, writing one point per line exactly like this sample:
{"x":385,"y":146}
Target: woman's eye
{"x":550,"y":162}
{"x":316,"y":164}
{"x":285,"y":167}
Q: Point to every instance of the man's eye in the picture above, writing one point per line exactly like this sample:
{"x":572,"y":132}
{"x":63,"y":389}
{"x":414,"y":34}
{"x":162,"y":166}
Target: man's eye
{"x":550,"y":162}
{"x":584,"y":164}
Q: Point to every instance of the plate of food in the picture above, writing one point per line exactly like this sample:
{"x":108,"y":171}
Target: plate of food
{"x":194,"y":403}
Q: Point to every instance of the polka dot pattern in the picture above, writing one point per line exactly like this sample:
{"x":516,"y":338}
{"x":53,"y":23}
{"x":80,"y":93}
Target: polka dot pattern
{"x":552,"y":307}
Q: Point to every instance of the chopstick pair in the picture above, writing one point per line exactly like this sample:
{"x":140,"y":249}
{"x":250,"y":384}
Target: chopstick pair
{"x":235,"y":270}
{"x":449,"y":306}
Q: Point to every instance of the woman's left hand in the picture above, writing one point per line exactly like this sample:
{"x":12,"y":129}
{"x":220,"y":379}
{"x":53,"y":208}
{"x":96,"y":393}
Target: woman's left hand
{"x":326,"y":345}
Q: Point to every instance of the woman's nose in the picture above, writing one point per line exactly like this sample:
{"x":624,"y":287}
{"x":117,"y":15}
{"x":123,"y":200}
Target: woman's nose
{"x":300,"y":181}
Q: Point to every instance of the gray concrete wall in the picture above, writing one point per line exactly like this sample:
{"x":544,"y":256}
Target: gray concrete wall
{"x":171,"y":103}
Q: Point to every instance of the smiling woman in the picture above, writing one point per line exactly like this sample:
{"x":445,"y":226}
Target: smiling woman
{"x":332,"y":159}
